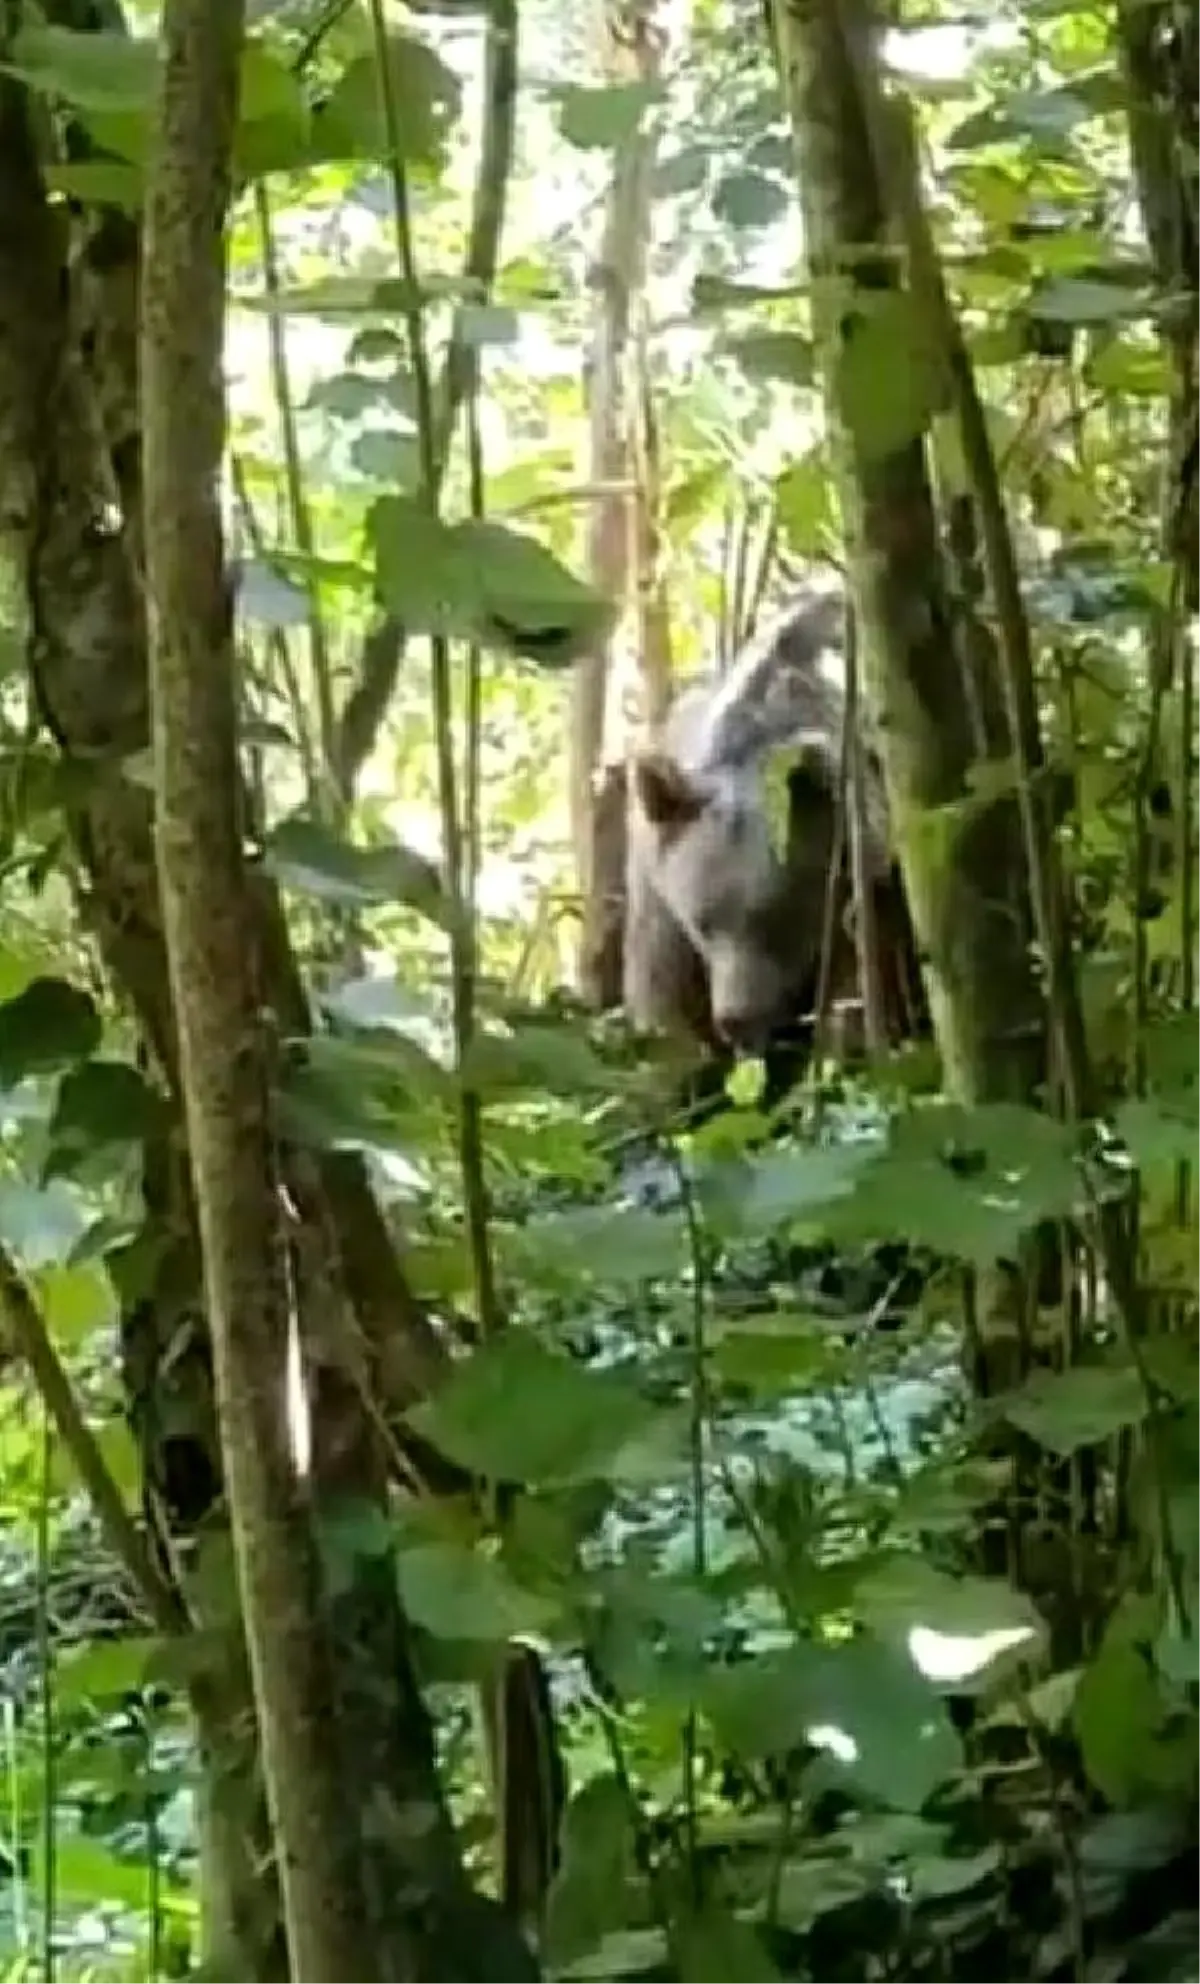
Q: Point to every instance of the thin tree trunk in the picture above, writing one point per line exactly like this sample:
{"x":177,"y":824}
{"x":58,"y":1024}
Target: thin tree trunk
{"x":595,"y":772}
{"x":225,"y":1047}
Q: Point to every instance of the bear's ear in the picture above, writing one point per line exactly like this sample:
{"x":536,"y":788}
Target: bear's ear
{"x":667,"y":795}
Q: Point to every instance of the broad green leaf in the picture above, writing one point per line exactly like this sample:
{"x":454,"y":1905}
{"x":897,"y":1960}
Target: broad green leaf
{"x":684,"y":171}
{"x":482,"y":324}
{"x":1159,"y":1130}
{"x":1083,"y":300}
{"x":769,"y":1191}
{"x":794,"y":1352}
{"x":718,"y":1947}
{"x":605,"y":117}
{"x":715,"y":293}
{"x":482,"y":581}
{"x":75,"y":1301}
{"x":267,"y":598}
{"x":457,"y":1593}
{"x":1119,"y":1718}
{"x":883,"y":1724}
{"x":426,"y":99}
{"x":341,"y":1095}
{"x":46,"y":1028}
{"x":749,"y":199}
{"x":110,"y":78}
{"x":555,"y":1059}
{"x":100,"y":1104}
{"x":350,"y":395}
{"x":626,"y":1953}
{"x":969,"y":1183}
{"x":907,"y":1591}
{"x":608,"y":1245}
{"x":387,"y":455}
{"x":1126,"y":366}
{"x":779,"y":355}
{"x":804,"y":505}
{"x":92,"y":71}
{"x":377,"y":1002}
{"x":107,"y":182}
{"x":1066,"y":1410}
{"x":302,"y":854}
{"x":588,"y":1894}
{"x":515,"y":1411}
{"x":104,"y":1667}
{"x":888,"y":377}
{"x":39,"y":1227}
{"x":1041,"y":115}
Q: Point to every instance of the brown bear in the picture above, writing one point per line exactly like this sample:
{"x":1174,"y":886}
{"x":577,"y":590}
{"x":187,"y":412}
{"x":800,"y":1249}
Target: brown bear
{"x":724,"y":924}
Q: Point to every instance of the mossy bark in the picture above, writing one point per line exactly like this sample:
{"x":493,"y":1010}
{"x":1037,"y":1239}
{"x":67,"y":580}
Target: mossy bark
{"x":961,"y":855}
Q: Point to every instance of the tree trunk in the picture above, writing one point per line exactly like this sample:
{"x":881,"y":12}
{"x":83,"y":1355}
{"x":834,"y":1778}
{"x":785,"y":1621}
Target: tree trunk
{"x":70,"y":456}
{"x":984,"y":1000}
{"x":595,"y":770}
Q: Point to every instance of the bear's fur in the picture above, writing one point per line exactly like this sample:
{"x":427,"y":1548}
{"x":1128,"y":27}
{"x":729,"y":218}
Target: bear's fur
{"x":724,"y":931}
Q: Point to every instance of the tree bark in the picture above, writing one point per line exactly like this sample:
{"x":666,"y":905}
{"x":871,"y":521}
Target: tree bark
{"x":70,"y":464}
{"x":226,"y":1044}
{"x":595,"y":769}
{"x":955,"y":852}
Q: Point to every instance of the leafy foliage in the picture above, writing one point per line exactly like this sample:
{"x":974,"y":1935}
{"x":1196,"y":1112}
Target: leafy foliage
{"x":816,"y":1725}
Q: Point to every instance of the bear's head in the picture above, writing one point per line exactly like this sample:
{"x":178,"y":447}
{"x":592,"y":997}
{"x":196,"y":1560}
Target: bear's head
{"x":752,"y":908}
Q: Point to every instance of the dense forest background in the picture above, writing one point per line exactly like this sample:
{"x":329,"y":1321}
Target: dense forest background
{"x":465,"y":1518}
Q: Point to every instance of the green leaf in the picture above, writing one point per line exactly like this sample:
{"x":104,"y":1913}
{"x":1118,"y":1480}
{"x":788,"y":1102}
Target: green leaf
{"x":98,"y":182}
{"x":93,"y":71}
{"x":344,"y":1096}
{"x":350,"y":395}
{"x":46,"y":1028}
{"x":1126,"y":366}
{"x":1081,"y":300}
{"x":749,"y":200}
{"x":969,"y":1183}
{"x":110,"y":78}
{"x":905,"y":1591}
{"x":592,"y":119}
{"x":1038,"y":114}
{"x":1119,"y":1716}
{"x":267,"y":598}
{"x":769,"y":1362}
{"x":717,"y":1947}
{"x":387,"y":455}
{"x":75,"y":1301}
{"x":457,"y":1593}
{"x":888,"y":377}
{"x":779,"y":355}
{"x":479,"y":324}
{"x":588,"y":1894}
{"x":865,"y":1702}
{"x":39,"y":1227}
{"x":609,"y":1245}
{"x":1066,"y":1410}
{"x":104,"y":1667}
{"x":716,"y":293}
{"x":426,"y":98}
{"x":99,"y":1105}
{"x":557,"y":1060}
{"x":770,"y":1191}
{"x":804,"y":505}
{"x":1159,"y":1130}
{"x":482,"y":581}
{"x":515,"y":1411}
{"x":302,"y":854}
